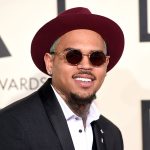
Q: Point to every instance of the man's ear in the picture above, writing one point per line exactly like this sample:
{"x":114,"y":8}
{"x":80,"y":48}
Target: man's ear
{"x":107,"y":60}
{"x":48,"y":59}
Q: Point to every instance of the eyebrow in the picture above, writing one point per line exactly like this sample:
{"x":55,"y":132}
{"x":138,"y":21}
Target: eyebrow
{"x":69,"y":49}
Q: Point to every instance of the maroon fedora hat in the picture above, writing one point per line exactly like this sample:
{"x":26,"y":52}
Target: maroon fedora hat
{"x":77,"y":18}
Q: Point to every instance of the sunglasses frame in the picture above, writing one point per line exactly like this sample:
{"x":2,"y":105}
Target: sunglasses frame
{"x":67,"y":50}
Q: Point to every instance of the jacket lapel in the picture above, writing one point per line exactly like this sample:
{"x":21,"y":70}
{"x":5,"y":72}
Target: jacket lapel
{"x":56,"y":116}
{"x":98,"y":137}
{"x":104,"y":134}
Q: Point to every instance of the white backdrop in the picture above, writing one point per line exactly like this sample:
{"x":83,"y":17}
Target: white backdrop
{"x":125,"y":86}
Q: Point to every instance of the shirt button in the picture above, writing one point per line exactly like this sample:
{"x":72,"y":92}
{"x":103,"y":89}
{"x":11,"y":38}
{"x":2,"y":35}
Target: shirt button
{"x":76,"y":118}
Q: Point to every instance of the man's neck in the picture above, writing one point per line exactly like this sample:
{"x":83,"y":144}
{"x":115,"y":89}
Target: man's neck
{"x":80,"y":110}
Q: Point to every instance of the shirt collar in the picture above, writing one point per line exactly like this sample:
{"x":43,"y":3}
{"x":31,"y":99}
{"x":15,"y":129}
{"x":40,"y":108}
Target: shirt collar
{"x":93,"y":114}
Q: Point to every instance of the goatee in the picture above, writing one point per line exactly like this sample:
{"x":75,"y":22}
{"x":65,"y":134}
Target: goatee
{"x":78,"y":100}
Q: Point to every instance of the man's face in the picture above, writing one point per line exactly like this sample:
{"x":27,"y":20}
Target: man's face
{"x":83,"y":79}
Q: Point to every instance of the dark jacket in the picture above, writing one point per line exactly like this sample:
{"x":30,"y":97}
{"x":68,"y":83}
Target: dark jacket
{"x":38,"y":123}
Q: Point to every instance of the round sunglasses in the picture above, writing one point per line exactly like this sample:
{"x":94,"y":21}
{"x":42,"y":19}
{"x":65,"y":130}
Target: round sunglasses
{"x":75,"y":56}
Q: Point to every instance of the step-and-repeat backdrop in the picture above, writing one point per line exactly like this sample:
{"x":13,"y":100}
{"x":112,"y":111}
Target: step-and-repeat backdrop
{"x":125,"y":86}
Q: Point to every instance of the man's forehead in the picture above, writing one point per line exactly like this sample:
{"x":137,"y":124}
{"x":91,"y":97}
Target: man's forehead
{"x":77,"y":35}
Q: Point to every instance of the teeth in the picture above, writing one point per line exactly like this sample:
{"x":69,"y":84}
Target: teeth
{"x":84,"y":79}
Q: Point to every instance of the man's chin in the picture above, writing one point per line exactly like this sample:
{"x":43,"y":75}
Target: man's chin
{"x":76,"y":99}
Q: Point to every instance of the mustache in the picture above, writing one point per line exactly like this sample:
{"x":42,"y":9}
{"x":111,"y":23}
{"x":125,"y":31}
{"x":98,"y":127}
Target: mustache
{"x":85,"y":72}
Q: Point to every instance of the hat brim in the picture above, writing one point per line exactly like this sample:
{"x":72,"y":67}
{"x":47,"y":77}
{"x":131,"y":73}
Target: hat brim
{"x":108,"y":29}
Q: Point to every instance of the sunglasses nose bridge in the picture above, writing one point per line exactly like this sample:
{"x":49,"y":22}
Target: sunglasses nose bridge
{"x":84,"y":54}
{"x":85,"y":61}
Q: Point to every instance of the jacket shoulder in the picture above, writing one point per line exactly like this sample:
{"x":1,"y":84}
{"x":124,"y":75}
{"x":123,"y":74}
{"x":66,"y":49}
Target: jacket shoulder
{"x":106,"y":123}
{"x":112,"y":133}
{"x":20,"y":105}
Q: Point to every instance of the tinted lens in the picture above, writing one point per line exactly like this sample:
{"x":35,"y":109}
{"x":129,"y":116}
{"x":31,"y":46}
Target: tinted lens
{"x":74,"y":57}
{"x":97,"y":58}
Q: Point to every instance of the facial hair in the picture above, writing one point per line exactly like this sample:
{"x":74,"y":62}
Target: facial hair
{"x":78,"y":100}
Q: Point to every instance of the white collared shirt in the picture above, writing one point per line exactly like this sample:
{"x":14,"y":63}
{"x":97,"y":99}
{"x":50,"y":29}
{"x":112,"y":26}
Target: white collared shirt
{"x":82,"y":137}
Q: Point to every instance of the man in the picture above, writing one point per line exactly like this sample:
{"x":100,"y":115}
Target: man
{"x":77,"y":49}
